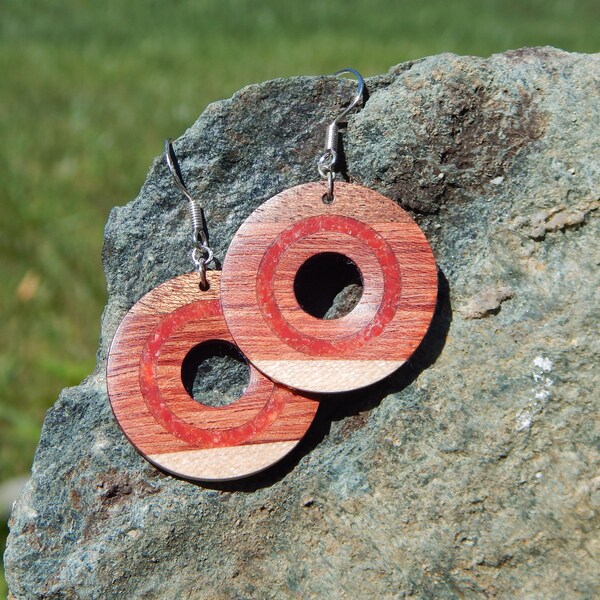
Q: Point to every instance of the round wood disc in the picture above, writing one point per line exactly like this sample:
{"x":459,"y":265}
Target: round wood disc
{"x":165,"y":424}
{"x":397,"y":269}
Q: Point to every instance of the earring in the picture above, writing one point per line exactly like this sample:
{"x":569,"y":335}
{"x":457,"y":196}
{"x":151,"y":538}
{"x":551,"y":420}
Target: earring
{"x":396,"y":265}
{"x":253,"y":305}
{"x":148,"y":398}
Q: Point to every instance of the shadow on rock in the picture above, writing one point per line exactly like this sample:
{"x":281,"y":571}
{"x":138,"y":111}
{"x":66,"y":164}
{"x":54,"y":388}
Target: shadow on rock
{"x":336,"y":407}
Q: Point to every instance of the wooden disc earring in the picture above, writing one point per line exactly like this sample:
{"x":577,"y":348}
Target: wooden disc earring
{"x":165,"y":424}
{"x":397,"y":270}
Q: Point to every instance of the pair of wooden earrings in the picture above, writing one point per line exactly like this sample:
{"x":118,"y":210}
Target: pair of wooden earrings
{"x":252,"y":304}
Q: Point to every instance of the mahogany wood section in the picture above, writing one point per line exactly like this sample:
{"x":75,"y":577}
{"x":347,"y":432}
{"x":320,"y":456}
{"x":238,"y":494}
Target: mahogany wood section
{"x":290,"y":346}
{"x":158,"y":416}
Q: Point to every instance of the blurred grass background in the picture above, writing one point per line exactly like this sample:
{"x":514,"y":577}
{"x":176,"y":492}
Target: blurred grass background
{"x":88,"y":92}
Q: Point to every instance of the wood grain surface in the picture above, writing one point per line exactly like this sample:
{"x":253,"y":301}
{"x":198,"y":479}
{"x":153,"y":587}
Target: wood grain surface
{"x":290,"y":346}
{"x":158,"y":416}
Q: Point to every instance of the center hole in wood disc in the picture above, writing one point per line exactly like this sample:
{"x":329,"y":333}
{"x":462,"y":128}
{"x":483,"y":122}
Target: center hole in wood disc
{"x":328,"y":285}
{"x":215,"y":373}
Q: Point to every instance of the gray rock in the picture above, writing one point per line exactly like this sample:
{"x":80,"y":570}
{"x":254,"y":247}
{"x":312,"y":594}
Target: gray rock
{"x":472,"y":472}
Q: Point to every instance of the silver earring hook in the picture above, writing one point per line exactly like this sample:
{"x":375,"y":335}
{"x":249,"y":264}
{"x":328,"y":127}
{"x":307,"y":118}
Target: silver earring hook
{"x":202,"y":253}
{"x":328,"y":160}
{"x":359,"y":92}
{"x":174,"y":171}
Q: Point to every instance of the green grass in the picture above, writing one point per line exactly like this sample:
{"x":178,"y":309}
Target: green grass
{"x":88,"y":92}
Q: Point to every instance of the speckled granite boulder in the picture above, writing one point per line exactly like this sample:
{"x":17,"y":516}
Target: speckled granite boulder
{"x":472,"y":472}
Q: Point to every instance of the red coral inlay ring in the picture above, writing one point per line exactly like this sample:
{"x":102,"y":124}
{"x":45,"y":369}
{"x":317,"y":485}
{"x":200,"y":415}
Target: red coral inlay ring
{"x":339,"y":342}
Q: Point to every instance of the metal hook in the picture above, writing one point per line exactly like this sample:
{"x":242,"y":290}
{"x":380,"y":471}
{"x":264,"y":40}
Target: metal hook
{"x":202,"y":253}
{"x":359,"y":92}
{"x":173,"y":168}
{"x":328,"y":160}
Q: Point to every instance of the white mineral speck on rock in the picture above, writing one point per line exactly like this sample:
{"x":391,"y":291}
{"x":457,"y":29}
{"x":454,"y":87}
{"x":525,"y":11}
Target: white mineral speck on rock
{"x":536,"y":403}
{"x":543,"y":363}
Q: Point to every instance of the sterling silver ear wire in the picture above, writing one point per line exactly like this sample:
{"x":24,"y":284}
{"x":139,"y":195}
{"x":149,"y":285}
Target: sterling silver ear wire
{"x":327,"y":162}
{"x":202,"y":253}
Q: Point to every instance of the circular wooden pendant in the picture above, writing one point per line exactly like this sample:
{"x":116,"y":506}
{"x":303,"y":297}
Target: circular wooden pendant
{"x":166,"y":425}
{"x":397,"y":270}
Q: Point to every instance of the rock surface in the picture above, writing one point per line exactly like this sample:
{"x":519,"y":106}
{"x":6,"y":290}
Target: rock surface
{"x":472,"y":472}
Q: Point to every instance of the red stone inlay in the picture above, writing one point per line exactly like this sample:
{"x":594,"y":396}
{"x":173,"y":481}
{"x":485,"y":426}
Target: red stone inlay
{"x":340,"y":347}
{"x":228,"y":431}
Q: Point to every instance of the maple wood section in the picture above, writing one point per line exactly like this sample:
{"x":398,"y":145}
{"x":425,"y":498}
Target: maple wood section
{"x":166,"y":425}
{"x":399,"y":278}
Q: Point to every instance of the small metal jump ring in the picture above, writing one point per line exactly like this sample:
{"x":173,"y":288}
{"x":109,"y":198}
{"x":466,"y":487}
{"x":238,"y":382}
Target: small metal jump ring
{"x":209,"y":255}
{"x":329,"y":197}
{"x":200,"y":263}
{"x":203,"y":278}
{"x":202,"y":254}
{"x":327,"y":162}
